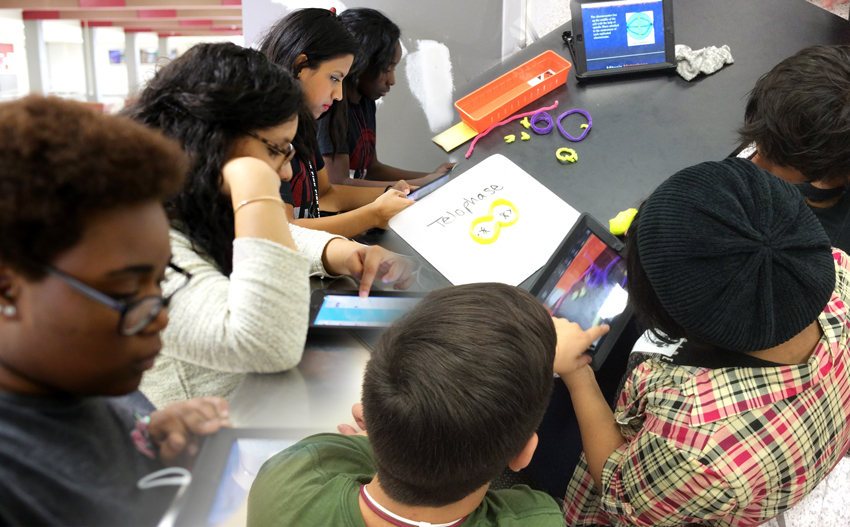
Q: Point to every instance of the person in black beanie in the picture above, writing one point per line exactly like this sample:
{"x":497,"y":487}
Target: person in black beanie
{"x":752,"y":410}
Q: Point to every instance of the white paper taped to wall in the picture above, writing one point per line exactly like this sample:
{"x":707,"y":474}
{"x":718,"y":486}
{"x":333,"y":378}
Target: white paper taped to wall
{"x":429,"y":76}
{"x":493,"y":223}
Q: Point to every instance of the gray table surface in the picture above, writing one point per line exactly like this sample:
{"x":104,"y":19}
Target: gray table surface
{"x":645,"y":128}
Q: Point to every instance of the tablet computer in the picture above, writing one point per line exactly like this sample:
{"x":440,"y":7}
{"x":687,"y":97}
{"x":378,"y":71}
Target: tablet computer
{"x":428,"y":188}
{"x":224,"y":471}
{"x":585,"y":282}
{"x":622,"y":36}
{"x":346,"y":310}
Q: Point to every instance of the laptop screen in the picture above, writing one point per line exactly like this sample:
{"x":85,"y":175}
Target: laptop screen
{"x":623,"y":33}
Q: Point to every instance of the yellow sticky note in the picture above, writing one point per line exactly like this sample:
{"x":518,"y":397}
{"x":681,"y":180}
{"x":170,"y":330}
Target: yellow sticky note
{"x":455,"y":136}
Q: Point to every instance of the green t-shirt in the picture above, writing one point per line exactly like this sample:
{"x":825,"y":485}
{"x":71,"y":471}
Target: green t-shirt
{"x":316,"y":483}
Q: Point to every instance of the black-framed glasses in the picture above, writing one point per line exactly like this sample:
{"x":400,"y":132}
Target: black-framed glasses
{"x":135,"y":315}
{"x":287,"y":152}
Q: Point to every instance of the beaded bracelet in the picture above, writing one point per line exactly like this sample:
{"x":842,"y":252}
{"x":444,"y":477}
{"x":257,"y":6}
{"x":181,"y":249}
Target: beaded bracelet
{"x":541,"y":116}
{"x":582,"y":136}
{"x":258,"y":198}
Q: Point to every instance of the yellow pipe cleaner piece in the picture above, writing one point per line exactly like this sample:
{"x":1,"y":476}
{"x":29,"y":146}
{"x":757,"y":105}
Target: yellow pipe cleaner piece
{"x":566,"y":155}
{"x":497,"y":227}
{"x":510,"y":138}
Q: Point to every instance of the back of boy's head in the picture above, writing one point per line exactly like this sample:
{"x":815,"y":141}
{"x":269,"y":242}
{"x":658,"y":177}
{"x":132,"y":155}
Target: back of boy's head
{"x":799,"y":114}
{"x":455,"y":390}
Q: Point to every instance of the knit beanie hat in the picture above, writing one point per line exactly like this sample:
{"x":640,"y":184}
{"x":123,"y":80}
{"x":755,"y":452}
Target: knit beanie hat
{"x":735,"y":255}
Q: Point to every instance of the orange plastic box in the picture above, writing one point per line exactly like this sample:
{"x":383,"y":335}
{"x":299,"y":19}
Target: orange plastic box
{"x":497,"y":100}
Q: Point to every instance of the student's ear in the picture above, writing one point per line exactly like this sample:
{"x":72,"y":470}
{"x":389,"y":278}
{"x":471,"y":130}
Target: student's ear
{"x":524,"y":458}
{"x":301,"y":62}
{"x":10,"y":291}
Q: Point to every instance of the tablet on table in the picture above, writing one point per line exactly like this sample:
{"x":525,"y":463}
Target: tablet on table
{"x":622,"y":36}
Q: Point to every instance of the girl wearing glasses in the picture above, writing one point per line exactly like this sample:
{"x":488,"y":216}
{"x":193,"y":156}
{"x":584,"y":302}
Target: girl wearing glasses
{"x":246,"y":309}
{"x":83,"y":249}
{"x":317,"y":48}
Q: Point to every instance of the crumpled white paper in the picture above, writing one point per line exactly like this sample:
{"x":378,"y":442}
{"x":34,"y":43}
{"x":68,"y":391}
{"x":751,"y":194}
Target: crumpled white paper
{"x":706,"y":60}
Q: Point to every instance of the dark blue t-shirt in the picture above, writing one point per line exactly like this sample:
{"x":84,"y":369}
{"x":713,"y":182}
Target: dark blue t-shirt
{"x":360,"y":145}
{"x":832,"y":208}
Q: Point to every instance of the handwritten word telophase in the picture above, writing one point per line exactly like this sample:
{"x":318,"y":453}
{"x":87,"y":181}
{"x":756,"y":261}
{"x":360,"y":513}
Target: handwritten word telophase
{"x":466,"y":207}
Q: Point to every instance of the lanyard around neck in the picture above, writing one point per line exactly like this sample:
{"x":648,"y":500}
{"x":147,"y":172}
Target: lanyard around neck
{"x":313,"y":182}
{"x":395,"y":519}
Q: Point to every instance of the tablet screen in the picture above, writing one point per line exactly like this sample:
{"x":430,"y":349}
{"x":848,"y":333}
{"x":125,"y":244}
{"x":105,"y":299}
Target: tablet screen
{"x":589,"y":286}
{"x":374,"y":312}
{"x":623,"y":33}
{"x":244,"y":461}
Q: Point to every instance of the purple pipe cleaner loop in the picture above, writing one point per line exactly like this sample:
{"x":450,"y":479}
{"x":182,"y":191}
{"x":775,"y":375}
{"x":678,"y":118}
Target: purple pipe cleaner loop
{"x":582,"y":136}
{"x":545,"y":117}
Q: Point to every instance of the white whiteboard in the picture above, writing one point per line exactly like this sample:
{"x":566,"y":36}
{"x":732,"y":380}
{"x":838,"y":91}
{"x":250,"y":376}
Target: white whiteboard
{"x":438,"y":226}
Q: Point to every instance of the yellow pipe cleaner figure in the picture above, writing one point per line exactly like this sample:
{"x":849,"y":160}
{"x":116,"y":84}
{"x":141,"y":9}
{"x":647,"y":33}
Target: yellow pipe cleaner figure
{"x":566,"y":155}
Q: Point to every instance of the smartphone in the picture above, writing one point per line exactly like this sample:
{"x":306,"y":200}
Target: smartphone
{"x":424,"y":190}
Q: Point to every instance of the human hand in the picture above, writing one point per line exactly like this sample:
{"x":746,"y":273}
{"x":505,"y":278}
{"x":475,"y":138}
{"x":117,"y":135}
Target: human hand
{"x":347,"y":429}
{"x":388,"y":205}
{"x":402,"y":186}
{"x":370,"y":263}
{"x":178,"y":427}
{"x":572,"y":343}
{"x":442,"y":169}
{"x":247,"y":177}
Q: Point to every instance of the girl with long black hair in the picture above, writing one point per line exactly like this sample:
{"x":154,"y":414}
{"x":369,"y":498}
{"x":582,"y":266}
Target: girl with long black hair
{"x":319,"y":51}
{"x":235,"y":114}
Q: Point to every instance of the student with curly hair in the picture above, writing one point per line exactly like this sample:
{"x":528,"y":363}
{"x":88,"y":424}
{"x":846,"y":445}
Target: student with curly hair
{"x":379,"y":42}
{"x":235,"y":114}
{"x":83,"y":248}
{"x":317,"y":48}
{"x":798,"y":119}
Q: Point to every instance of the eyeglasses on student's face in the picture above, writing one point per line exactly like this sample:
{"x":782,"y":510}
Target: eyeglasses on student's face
{"x":287,"y":152}
{"x":135,"y":315}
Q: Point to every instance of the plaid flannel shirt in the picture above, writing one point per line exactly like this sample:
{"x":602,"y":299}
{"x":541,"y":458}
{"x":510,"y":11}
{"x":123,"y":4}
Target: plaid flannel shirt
{"x":727,"y":446}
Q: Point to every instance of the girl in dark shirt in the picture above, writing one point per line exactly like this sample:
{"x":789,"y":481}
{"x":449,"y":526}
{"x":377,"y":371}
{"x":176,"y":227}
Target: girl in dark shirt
{"x":379,"y":41}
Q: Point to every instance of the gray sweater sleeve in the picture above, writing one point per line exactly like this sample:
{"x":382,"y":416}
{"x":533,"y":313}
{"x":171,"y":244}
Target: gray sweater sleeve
{"x":253,"y":321}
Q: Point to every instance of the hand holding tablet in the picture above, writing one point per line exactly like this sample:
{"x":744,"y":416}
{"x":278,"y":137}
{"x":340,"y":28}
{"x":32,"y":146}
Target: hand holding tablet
{"x":585,"y":283}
